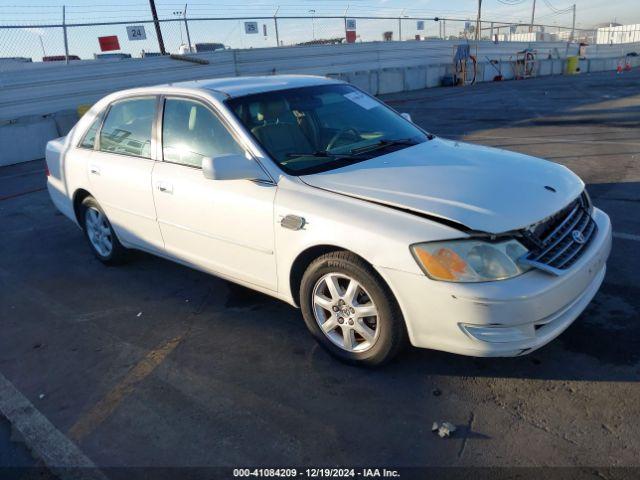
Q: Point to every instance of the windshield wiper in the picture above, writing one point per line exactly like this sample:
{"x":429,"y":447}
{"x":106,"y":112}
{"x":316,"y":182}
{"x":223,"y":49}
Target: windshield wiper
{"x":383,"y":144}
{"x":319,"y":154}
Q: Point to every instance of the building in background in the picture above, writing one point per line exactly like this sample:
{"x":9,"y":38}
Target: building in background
{"x":614,"y":33}
{"x":582,"y":35}
{"x":526,"y":37}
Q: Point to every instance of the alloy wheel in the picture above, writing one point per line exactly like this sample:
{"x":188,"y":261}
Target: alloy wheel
{"x":345,"y":312}
{"x":98,"y":231}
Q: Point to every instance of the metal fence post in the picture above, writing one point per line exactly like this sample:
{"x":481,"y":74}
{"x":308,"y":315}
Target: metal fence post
{"x":64,"y":33}
{"x":346,"y":10}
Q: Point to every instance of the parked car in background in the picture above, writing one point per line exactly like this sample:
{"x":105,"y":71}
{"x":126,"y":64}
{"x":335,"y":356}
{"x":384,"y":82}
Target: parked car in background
{"x":209,"y":47}
{"x":310,"y":190}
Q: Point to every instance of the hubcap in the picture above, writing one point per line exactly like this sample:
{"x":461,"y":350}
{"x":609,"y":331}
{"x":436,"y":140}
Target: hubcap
{"x":345,"y":312}
{"x":98,"y":231}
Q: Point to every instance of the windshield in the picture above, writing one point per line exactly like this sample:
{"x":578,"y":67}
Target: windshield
{"x":314,"y":129}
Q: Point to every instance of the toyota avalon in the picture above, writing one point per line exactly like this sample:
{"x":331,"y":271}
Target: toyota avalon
{"x":310,"y":190}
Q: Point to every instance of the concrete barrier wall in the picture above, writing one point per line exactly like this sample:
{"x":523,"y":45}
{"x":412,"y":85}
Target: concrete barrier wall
{"x":38,"y":101}
{"x":43,"y":88}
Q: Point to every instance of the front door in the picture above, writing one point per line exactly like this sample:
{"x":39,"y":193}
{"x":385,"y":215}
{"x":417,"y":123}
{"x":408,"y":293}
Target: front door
{"x":224,"y":226}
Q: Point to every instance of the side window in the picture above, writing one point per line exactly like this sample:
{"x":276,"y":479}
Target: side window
{"x":89,"y":139}
{"x":127,"y":128}
{"x":190,"y":132}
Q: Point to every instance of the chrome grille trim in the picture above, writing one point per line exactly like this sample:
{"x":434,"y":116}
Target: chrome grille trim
{"x":558,"y":249}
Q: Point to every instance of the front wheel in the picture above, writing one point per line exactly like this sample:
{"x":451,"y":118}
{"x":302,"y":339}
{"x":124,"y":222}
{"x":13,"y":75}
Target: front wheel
{"x":350,"y":311}
{"x":99,"y":233}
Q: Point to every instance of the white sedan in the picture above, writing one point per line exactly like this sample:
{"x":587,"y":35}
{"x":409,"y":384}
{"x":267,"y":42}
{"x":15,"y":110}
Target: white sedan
{"x":310,"y":190}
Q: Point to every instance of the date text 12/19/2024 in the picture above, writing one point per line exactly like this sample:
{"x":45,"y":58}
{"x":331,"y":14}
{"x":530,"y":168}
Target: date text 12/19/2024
{"x":315,"y":473}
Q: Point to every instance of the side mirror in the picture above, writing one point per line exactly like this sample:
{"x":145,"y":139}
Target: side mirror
{"x":231,"y":167}
{"x":406,"y":116}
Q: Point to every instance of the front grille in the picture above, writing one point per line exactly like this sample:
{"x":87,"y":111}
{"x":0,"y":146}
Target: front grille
{"x":562,"y":239}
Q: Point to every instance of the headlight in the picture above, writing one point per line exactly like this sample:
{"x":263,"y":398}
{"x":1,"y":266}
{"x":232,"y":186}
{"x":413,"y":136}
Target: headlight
{"x":470,"y":260}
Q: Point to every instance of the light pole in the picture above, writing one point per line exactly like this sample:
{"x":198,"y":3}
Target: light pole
{"x":313,"y":23}
{"x":186,"y":27}
{"x":178,"y":13}
{"x":275,"y":21}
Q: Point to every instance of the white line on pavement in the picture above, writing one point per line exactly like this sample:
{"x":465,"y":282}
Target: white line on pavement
{"x":59,"y":454}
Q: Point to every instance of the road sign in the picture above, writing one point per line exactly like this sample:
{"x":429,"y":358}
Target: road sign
{"x":351,"y":24}
{"x":109,"y":43}
{"x":136,"y":32}
{"x":420,"y":25}
{"x":250,"y":27}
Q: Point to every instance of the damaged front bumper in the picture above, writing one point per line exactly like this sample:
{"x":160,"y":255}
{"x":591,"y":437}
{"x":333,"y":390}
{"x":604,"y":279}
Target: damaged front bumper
{"x":503,"y":318}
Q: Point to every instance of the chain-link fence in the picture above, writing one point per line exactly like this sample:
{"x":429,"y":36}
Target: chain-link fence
{"x":183,"y":35}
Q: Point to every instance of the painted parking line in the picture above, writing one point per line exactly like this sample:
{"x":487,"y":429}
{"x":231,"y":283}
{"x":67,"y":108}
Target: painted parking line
{"x":58,"y":452}
{"x":102,"y":410}
{"x":20,"y":194}
{"x":626,"y":236}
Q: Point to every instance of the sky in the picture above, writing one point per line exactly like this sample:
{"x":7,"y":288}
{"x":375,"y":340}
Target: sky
{"x":36,"y":40}
{"x":589,"y":12}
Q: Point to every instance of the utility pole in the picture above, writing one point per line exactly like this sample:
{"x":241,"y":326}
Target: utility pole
{"x":533,"y":14}
{"x":156,"y":22}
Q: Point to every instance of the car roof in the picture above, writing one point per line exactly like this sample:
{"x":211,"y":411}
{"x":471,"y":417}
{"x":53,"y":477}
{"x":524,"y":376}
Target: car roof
{"x":240,"y":86}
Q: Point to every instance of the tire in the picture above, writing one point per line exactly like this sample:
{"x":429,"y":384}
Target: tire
{"x":99,"y":233}
{"x":346,"y":308}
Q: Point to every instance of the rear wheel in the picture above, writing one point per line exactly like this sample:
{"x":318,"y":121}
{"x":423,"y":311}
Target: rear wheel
{"x":350,"y":311}
{"x":99,"y":233}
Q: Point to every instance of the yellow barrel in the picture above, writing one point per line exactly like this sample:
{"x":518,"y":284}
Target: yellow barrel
{"x":82,"y":109}
{"x":572,"y":65}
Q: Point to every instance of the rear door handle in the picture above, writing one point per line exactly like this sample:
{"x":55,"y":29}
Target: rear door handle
{"x":165,"y":187}
{"x":94,"y":170}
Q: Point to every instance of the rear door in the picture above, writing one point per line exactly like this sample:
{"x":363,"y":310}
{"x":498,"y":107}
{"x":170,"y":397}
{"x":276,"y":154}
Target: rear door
{"x":225,"y":226}
{"x":120,"y":168}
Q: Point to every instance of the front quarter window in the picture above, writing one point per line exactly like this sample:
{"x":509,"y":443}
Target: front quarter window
{"x":318,"y":128}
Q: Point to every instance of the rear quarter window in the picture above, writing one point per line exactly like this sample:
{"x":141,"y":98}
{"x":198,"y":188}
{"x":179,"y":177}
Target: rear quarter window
{"x":89,"y":138}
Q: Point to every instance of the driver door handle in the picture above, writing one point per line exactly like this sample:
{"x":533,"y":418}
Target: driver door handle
{"x":165,"y":187}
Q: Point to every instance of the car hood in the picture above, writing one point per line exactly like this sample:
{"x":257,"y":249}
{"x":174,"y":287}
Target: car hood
{"x":482,"y":188}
